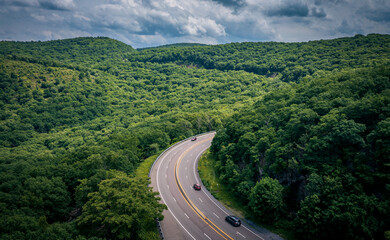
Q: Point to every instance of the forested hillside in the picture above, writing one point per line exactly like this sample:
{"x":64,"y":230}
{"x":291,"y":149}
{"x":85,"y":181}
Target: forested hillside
{"x":292,"y":60}
{"x":316,"y":153}
{"x":78,"y":116}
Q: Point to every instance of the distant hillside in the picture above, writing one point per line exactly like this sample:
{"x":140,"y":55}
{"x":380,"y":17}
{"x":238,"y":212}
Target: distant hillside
{"x":293,"y":60}
{"x":175,"y":45}
{"x":76,"y":51}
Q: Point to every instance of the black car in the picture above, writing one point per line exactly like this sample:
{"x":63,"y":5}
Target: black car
{"x":193,"y":139}
{"x":233,"y":220}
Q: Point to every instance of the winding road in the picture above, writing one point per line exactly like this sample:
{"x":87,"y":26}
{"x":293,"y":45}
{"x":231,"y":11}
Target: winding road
{"x":193,"y":214}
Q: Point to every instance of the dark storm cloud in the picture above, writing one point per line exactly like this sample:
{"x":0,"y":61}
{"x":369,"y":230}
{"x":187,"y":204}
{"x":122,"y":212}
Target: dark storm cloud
{"x":62,"y":5}
{"x":56,"y":5}
{"x":154,"y":22}
{"x":289,"y":9}
{"x":152,"y":27}
{"x":18,"y":3}
{"x":382,"y":15}
{"x":326,"y":2}
{"x":231,"y":3}
{"x":22,"y":3}
{"x":347,"y":28}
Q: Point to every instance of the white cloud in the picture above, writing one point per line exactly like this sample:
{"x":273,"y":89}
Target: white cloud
{"x":203,"y":26}
{"x":148,"y":22}
{"x":40,"y":18}
{"x":81,"y":17}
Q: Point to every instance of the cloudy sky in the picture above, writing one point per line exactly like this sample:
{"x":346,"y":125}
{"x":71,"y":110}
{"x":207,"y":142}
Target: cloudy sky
{"x":143,"y":23}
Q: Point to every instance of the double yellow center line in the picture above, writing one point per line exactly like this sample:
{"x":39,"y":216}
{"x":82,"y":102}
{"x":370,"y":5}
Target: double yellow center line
{"x":188,"y":200}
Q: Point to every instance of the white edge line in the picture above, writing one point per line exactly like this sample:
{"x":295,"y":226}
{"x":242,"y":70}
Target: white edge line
{"x":196,"y":177}
{"x":207,"y":236}
{"x":240,"y":234}
{"x":252,"y":232}
{"x":162,"y":198}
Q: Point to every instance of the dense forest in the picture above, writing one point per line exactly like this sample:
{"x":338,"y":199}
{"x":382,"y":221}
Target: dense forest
{"x":316,"y":153}
{"x":302,"y":132}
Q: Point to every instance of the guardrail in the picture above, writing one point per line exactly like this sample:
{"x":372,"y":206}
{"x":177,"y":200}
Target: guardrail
{"x":158,"y":158}
{"x":160,"y":229}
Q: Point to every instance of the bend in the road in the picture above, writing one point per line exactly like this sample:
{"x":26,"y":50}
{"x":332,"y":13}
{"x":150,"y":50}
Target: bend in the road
{"x":191,"y":214}
{"x":211,"y":224}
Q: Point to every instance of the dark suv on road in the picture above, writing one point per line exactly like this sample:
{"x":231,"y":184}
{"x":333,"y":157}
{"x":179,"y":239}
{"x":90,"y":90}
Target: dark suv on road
{"x":233,"y":220}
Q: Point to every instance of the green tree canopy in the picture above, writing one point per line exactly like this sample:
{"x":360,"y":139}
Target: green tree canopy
{"x":122,"y":208}
{"x":266,"y":199}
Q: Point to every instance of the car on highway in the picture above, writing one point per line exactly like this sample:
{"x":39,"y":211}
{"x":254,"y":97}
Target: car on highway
{"x":193,"y":139}
{"x":197,"y":186}
{"x":233,"y":220}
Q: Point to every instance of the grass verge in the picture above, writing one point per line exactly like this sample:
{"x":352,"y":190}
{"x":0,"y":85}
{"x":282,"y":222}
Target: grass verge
{"x":144,"y":167}
{"x":222,"y":193}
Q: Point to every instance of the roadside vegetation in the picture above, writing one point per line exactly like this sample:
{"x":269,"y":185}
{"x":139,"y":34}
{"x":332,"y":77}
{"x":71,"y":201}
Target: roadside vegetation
{"x":144,"y":167}
{"x":225,"y":195}
{"x":78,"y":117}
{"x":314,"y":155}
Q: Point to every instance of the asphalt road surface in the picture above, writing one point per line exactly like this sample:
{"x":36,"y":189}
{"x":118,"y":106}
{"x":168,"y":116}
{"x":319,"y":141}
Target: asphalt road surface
{"x":194,"y":214}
